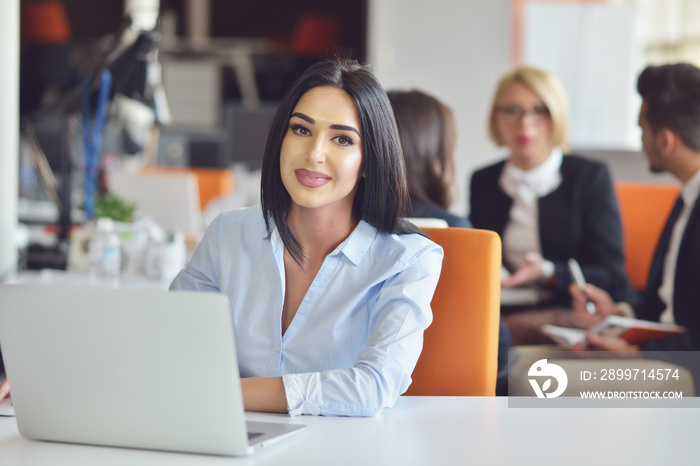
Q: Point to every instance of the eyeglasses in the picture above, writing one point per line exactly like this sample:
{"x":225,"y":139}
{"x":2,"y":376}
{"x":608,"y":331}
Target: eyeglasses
{"x":514,"y":113}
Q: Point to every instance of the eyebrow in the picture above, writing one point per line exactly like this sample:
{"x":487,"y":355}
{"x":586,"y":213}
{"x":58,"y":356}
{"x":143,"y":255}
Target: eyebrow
{"x":313,"y":122}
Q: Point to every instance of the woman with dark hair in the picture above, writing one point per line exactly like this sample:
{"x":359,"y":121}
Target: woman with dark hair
{"x":330,"y":288}
{"x":428,"y":134}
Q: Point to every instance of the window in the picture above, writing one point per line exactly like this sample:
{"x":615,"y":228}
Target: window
{"x":670,"y":29}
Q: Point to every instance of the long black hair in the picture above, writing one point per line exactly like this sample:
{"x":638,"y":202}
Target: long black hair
{"x":382,"y":194}
{"x":428,"y":135}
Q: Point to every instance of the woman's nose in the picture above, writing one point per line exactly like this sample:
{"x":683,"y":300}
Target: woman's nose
{"x":317,"y":152}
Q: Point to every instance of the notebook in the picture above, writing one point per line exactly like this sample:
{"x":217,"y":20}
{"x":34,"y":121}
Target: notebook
{"x":634,"y":331}
{"x":138,"y":368}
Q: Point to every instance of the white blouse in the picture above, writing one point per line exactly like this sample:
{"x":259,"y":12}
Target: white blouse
{"x":521,"y":234}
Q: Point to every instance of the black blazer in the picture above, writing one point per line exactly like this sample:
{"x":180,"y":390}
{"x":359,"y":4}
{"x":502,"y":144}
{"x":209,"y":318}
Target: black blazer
{"x":686,"y":291}
{"x":579,"y":219}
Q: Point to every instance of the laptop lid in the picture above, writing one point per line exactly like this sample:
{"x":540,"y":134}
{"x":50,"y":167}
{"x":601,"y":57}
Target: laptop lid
{"x":132,"y":368}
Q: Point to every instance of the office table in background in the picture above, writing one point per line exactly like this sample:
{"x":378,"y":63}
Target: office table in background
{"x":61,"y":277}
{"x":427,"y":431}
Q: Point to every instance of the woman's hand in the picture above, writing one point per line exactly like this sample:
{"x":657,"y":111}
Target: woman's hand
{"x":604,"y":305}
{"x":4,"y":389}
{"x":529,"y":272}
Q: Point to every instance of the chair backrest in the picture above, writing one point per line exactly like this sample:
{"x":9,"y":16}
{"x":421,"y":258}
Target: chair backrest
{"x":428,"y":222}
{"x":644,"y":208}
{"x":212,"y":182}
{"x":460,"y":350}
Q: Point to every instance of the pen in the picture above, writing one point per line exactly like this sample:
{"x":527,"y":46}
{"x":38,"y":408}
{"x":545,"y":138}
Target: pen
{"x":580,"y":282}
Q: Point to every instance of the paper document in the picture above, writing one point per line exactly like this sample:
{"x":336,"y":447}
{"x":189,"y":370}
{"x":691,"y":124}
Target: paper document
{"x":634,"y":331}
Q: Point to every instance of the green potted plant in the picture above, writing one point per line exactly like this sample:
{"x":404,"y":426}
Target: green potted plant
{"x":112,"y":206}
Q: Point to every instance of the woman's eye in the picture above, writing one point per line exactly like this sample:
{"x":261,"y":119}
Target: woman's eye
{"x":541,"y":110}
{"x":300,"y":130}
{"x":344,"y":140}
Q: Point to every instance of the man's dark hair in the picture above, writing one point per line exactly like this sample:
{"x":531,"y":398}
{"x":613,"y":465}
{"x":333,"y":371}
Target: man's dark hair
{"x":382,"y":194}
{"x":672,"y":96}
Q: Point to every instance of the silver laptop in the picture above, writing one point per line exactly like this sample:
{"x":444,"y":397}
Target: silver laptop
{"x":130,"y":368}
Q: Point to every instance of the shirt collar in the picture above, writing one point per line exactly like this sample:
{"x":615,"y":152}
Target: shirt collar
{"x":358,"y":243}
{"x":354,"y":247}
{"x":542,"y":179}
{"x":691,"y":190}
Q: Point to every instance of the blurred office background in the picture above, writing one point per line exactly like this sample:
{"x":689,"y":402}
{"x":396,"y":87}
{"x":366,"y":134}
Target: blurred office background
{"x":226,"y":63}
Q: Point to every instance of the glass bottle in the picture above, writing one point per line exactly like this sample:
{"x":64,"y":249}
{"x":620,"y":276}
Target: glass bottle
{"x":104,"y":251}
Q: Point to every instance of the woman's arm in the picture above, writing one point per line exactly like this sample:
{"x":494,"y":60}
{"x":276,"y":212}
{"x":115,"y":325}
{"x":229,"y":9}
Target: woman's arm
{"x":264,"y":394}
{"x":399,"y":314}
{"x":4,"y":389}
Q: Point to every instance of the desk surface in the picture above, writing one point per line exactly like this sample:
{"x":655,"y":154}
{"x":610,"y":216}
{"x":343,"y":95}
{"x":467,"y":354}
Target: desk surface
{"x":428,"y":431}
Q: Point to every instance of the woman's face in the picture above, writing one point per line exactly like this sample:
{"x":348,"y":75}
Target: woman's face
{"x":321,"y":155}
{"x":525,"y":126}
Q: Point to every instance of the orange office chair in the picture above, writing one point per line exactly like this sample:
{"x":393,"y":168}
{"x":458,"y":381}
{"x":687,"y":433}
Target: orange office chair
{"x":460,"y":349}
{"x":644,"y":208}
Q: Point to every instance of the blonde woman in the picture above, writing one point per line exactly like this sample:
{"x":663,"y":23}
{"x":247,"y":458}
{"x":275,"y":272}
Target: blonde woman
{"x":546,"y":206}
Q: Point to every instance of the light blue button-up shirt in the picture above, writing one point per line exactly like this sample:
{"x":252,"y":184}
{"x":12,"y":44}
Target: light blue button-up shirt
{"x":358,"y":332}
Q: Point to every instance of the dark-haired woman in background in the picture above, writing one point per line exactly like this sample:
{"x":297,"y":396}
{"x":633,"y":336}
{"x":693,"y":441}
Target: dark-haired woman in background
{"x":330,"y":288}
{"x":428,"y":136}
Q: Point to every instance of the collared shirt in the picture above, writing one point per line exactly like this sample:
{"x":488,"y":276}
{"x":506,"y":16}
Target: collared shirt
{"x":689,"y":193}
{"x":521,"y":234}
{"x":357,"y":335}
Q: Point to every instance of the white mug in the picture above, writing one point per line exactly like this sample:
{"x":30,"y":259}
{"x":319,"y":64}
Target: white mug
{"x":164,"y":261}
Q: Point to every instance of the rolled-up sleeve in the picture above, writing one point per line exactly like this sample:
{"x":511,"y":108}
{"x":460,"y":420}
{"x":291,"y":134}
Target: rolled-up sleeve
{"x":303,"y":393}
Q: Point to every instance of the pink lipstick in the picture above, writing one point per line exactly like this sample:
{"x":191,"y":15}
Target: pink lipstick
{"x":311,"y":179}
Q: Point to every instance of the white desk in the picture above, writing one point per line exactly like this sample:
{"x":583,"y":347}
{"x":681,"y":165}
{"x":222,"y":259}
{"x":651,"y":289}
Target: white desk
{"x":429,"y":431}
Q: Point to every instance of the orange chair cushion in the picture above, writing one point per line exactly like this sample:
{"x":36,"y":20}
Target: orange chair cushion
{"x":644,"y":208}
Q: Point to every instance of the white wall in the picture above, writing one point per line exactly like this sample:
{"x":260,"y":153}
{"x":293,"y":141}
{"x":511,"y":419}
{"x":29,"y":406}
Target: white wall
{"x":9,"y":134}
{"x":453,"y":49}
